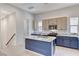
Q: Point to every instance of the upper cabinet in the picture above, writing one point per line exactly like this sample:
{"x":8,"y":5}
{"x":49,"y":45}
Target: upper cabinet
{"x":55,"y":24}
{"x":52,"y":21}
{"x":62,"y":23}
{"x":45,"y":25}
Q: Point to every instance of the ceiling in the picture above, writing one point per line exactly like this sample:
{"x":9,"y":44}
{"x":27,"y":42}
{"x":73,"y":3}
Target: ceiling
{"x":37,"y":8}
{"x":34,"y":8}
{"x":5,"y":10}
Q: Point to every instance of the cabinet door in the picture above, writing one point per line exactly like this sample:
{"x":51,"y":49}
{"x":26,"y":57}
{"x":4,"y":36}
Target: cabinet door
{"x":74,"y":42}
{"x":59,"y":23}
{"x":66,"y":42}
{"x":45,"y":25}
{"x":59,"y":40}
{"x":78,"y":43}
{"x":52,"y":21}
{"x":62,"y":23}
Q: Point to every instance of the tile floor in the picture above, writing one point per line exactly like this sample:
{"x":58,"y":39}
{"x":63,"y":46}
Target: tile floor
{"x":60,"y":51}
{"x":63,"y":51}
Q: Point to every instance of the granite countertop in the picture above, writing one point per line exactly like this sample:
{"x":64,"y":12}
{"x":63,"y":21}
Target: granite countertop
{"x":70,"y":35}
{"x":41,"y":38}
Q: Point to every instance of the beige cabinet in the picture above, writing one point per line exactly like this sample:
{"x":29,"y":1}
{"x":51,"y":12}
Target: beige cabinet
{"x":45,"y":25}
{"x":61,"y":23}
{"x":52,"y":21}
{"x":64,"y":23}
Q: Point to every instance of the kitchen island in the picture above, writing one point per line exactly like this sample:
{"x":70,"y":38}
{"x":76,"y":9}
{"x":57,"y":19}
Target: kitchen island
{"x":40,"y":44}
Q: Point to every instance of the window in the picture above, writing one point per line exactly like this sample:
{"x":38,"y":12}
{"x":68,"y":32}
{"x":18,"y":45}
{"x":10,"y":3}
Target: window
{"x":74,"y":25}
{"x":40,"y":25}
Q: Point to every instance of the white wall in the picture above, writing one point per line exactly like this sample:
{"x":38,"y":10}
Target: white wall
{"x":8,"y":28}
{"x":7,"y":25}
{"x":3,"y":32}
{"x":0,"y":33}
{"x":69,"y":11}
{"x":28,"y":24}
{"x":11,"y":29}
{"x":21,"y":30}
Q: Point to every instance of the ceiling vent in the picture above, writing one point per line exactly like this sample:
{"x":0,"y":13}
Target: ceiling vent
{"x":31,"y":7}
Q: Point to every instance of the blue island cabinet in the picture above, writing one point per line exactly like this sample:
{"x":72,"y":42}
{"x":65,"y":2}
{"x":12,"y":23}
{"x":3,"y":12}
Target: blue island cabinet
{"x":41,"y":47}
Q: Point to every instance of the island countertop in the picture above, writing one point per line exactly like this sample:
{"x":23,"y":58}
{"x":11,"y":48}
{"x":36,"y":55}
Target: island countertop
{"x":41,"y":38}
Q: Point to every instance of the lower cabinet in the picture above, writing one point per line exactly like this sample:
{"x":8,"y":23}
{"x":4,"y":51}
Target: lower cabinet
{"x":71,"y":42}
{"x":38,"y":46}
{"x":78,"y":43}
{"x":66,"y":42}
{"x":74,"y":42}
{"x":59,"y":41}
